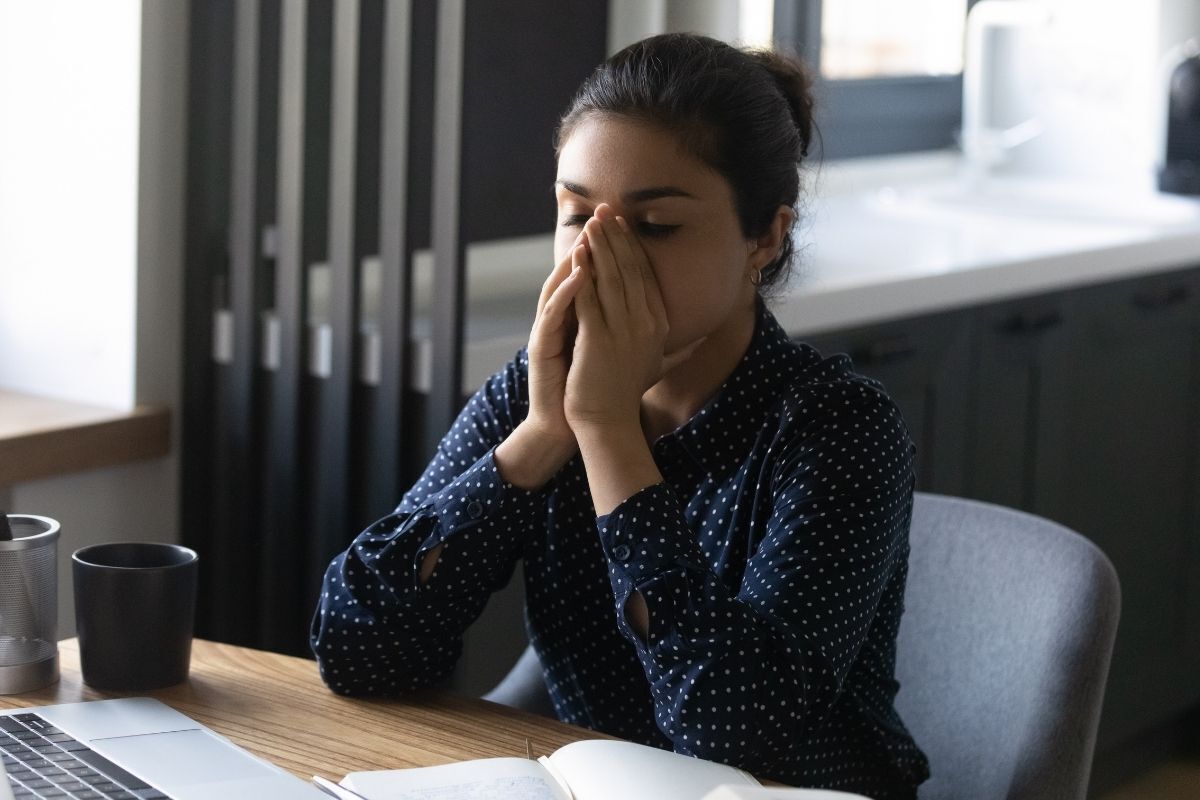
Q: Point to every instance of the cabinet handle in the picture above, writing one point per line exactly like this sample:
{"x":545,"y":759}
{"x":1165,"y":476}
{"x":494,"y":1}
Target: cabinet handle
{"x":1156,"y":301}
{"x":884,"y":351}
{"x":1032,"y":324}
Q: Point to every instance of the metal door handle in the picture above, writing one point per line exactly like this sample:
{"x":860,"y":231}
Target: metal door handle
{"x":1158,"y":300}
{"x":885,"y":351}
{"x":1032,"y":324}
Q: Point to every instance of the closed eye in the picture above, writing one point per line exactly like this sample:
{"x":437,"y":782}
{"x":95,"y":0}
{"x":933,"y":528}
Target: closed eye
{"x":649,"y":229}
{"x":656,"y":231}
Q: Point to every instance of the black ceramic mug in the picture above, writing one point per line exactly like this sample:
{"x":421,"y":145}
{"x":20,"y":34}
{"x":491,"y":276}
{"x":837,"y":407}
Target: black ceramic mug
{"x":135,"y":603}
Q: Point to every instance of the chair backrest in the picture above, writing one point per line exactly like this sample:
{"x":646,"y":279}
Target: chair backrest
{"x":1003,"y":650}
{"x":524,"y":686}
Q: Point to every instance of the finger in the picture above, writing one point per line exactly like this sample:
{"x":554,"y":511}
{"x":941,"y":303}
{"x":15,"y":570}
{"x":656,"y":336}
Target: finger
{"x":637,"y":254}
{"x":608,"y":276}
{"x":587,"y":302}
{"x":558,"y":305}
{"x":553,"y":328}
{"x":557,"y":275}
{"x":629,"y":256}
{"x":560,"y":273}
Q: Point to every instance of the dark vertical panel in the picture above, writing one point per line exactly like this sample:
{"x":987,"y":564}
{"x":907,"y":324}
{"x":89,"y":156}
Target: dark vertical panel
{"x":1192,"y":624}
{"x":368,"y":177}
{"x":254,"y":597}
{"x":206,"y":256}
{"x":333,"y":439}
{"x":281,"y":580}
{"x":235,"y":554}
{"x":317,"y":170}
{"x":389,"y":406}
{"x":512,"y":100}
{"x":423,"y":41}
{"x":370,"y":101}
{"x":449,"y":277}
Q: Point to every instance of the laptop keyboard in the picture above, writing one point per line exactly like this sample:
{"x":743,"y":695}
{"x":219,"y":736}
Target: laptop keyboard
{"x":44,"y":762}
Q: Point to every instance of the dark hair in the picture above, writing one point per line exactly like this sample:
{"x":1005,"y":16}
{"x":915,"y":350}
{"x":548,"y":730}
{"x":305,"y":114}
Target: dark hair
{"x":745,"y":113}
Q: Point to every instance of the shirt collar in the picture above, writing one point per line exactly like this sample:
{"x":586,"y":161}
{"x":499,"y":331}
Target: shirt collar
{"x":721,"y":434}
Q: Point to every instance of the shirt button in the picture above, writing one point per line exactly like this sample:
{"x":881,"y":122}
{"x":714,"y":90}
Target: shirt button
{"x":475,"y":509}
{"x":621,"y":552}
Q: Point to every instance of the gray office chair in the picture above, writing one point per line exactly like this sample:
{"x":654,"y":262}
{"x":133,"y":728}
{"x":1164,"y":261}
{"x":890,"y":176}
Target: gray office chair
{"x":1002,"y":657}
{"x":1003,"y":652}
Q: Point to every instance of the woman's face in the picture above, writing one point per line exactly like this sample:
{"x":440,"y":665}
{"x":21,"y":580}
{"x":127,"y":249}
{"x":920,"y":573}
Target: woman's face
{"x":682,"y":211}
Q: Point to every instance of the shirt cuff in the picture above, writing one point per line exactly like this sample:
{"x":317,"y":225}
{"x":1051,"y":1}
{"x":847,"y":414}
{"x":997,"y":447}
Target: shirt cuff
{"x":645,"y":536}
{"x":471,"y":500}
{"x":474,"y":497}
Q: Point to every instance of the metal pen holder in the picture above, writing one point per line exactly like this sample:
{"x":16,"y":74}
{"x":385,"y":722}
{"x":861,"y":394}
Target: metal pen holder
{"x":29,"y":604}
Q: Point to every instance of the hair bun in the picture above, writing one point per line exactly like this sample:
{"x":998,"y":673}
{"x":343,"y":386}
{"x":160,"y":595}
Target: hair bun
{"x":795,"y":84}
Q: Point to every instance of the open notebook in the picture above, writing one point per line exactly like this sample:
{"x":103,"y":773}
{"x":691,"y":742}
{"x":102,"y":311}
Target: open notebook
{"x":587,"y":770}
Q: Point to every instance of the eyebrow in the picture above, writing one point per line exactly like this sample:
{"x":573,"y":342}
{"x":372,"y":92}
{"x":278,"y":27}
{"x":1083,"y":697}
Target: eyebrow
{"x":635,"y":196}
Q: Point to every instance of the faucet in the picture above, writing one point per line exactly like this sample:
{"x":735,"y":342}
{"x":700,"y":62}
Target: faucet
{"x":984,"y":146}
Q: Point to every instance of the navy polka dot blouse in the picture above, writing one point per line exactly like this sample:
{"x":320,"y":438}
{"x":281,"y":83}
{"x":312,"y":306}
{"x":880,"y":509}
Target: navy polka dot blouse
{"x":772,"y":560}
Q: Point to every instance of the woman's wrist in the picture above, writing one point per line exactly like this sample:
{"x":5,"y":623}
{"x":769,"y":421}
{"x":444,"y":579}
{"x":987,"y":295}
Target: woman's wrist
{"x":531,"y":455}
{"x":618,"y":462}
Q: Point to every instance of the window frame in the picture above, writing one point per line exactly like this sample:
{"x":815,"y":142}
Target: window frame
{"x":870,"y":116}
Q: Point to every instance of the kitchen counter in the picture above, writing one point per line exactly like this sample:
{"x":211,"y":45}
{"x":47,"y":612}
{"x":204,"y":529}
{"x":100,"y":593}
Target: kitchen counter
{"x":863,"y":263}
{"x":897,"y":239}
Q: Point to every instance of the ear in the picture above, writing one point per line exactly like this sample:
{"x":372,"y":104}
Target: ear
{"x":765,"y":248}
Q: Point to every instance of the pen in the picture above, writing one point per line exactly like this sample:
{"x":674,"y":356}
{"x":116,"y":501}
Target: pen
{"x":335,"y":790}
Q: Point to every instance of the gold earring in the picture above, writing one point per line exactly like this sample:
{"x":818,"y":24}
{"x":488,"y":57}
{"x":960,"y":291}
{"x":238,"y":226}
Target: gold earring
{"x":756,"y":277}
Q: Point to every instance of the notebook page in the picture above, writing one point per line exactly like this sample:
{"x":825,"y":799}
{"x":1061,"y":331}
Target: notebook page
{"x":482,"y":779}
{"x":603,"y":770}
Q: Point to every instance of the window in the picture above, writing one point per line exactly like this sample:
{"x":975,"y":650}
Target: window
{"x":877,"y":38}
{"x":889,"y":73}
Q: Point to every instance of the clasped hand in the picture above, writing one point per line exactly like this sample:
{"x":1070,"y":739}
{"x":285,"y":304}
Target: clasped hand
{"x":598,"y":339}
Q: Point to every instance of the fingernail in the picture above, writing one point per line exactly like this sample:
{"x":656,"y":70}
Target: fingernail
{"x":622,"y":223}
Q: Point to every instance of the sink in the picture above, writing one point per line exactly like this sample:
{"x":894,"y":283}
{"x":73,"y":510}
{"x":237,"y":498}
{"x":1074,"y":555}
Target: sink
{"x":928,"y":234}
{"x":1039,"y":199}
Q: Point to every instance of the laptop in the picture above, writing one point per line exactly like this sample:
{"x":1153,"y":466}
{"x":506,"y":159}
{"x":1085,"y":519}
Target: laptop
{"x":131,"y":749}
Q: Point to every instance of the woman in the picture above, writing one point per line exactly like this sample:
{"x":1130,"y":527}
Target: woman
{"x":713,"y":519}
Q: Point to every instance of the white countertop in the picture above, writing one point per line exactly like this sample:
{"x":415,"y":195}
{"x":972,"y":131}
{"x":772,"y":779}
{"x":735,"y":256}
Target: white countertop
{"x":891,"y":240}
{"x":869,"y":262}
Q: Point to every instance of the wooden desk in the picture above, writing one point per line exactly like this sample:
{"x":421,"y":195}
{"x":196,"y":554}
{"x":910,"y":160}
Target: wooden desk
{"x":277,"y":707}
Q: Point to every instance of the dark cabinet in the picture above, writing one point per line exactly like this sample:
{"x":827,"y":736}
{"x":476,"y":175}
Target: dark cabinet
{"x":1117,"y":463}
{"x":1082,"y":406}
{"x":924,"y":364}
{"x":1085,"y":411}
{"x":1014,"y":343}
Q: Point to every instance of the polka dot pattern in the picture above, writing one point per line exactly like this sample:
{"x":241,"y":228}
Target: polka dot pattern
{"x":772,"y":560}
